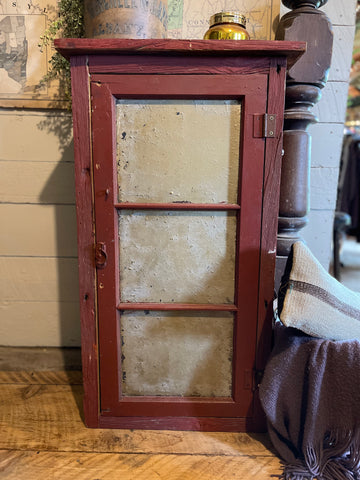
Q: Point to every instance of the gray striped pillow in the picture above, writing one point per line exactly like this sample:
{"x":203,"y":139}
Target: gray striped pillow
{"x":311,"y":300}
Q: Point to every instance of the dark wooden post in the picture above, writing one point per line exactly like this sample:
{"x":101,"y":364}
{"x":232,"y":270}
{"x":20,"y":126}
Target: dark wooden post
{"x":305,"y":79}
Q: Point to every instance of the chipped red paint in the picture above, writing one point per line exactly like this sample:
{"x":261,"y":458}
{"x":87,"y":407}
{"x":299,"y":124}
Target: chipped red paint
{"x":254,"y":74}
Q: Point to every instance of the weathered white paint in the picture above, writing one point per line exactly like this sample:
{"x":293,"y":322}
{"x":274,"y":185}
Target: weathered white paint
{"x":177,"y":257}
{"x":318,"y":234}
{"x":178,"y":151}
{"x":342,"y":49}
{"x":341,"y":12}
{"x":332,"y":105}
{"x":176,"y":354}
{"x":332,"y":136}
{"x":323,"y":184}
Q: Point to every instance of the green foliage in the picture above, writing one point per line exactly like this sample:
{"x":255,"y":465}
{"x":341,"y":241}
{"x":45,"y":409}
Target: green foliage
{"x":69,"y":24}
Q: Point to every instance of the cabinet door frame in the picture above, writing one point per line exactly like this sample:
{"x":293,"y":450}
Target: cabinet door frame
{"x":84,"y":68}
{"x":251,"y":92}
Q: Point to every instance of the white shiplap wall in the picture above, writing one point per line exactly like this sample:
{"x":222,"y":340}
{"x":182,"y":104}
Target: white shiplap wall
{"x":38,"y":264}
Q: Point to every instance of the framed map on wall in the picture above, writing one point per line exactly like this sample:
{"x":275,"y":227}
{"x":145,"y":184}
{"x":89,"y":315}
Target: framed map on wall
{"x":22,"y":63}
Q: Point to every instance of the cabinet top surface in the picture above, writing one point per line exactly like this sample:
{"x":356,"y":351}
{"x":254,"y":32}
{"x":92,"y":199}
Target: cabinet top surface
{"x":69,"y":47}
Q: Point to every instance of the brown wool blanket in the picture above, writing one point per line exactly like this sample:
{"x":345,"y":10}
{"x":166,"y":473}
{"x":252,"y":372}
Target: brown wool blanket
{"x":311,"y":396}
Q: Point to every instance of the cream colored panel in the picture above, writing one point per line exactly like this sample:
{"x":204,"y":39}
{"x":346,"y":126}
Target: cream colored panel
{"x":37,"y":182}
{"x":177,"y":354}
{"x":31,"y":279}
{"x":38,"y":230}
{"x":185,"y":257}
{"x":33,"y":324}
{"x":33,"y":135}
{"x":178,"y":151}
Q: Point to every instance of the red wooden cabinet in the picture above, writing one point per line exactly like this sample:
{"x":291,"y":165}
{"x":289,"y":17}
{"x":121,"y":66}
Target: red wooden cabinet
{"x":177,"y":153}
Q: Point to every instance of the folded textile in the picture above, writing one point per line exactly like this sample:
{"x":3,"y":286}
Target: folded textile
{"x":310,"y":393}
{"x":311,"y":300}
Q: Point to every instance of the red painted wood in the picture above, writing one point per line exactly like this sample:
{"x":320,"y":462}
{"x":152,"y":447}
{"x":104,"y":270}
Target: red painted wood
{"x":183,"y":86}
{"x":178,"y":307}
{"x":178,"y":65}
{"x":252,"y":88}
{"x":86,"y":239}
{"x":106,"y":223}
{"x":183,"y":407}
{"x":210,"y":424}
{"x":173,"y":406}
{"x":252,"y":72}
{"x":248,"y":237}
{"x":86,"y":46}
{"x":272,"y":175}
{"x":177,"y":206}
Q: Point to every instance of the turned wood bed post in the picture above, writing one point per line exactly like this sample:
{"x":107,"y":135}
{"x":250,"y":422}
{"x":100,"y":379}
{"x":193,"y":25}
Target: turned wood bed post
{"x":305,"y":79}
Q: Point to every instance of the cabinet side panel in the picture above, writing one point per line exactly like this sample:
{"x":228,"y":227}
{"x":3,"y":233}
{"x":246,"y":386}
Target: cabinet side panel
{"x":86,"y":236}
{"x":271,"y":189}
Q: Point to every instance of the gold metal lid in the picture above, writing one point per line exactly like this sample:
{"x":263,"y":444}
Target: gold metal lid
{"x":228,"y":17}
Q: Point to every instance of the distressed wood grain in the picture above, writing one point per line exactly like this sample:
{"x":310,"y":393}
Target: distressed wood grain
{"x":78,"y":466}
{"x":44,"y":359}
{"x":69,"y":377}
{"x":85,"y":234}
{"x":49,"y":417}
{"x":86,"y":46}
{"x":43,"y":437}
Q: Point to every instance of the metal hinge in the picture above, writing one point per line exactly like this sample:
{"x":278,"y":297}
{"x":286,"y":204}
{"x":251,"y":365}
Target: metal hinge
{"x":265,"y":125}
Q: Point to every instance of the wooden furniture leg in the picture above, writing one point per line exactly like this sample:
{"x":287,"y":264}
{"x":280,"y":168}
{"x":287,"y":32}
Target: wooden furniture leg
{"x":304,"y":82}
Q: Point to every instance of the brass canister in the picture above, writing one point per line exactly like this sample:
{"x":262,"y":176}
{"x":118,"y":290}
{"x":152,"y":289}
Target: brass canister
{"x":134,"y":19}
{"x":227,"y":26}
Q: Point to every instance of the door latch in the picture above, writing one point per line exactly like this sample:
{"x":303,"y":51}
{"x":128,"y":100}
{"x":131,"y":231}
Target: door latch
{"x":100,"y":255}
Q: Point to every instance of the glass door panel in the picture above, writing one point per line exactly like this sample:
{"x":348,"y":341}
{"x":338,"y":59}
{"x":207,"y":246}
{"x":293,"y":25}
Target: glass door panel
{"x":177,"y":353}
{"x":172,"y":256}
{"x":178,"y":150}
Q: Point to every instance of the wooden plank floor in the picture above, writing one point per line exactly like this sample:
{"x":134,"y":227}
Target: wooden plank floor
{"x":43,"y":438}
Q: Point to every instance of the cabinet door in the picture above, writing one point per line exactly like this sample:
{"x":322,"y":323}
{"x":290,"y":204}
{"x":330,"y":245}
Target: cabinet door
{"x":178,"y":192}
